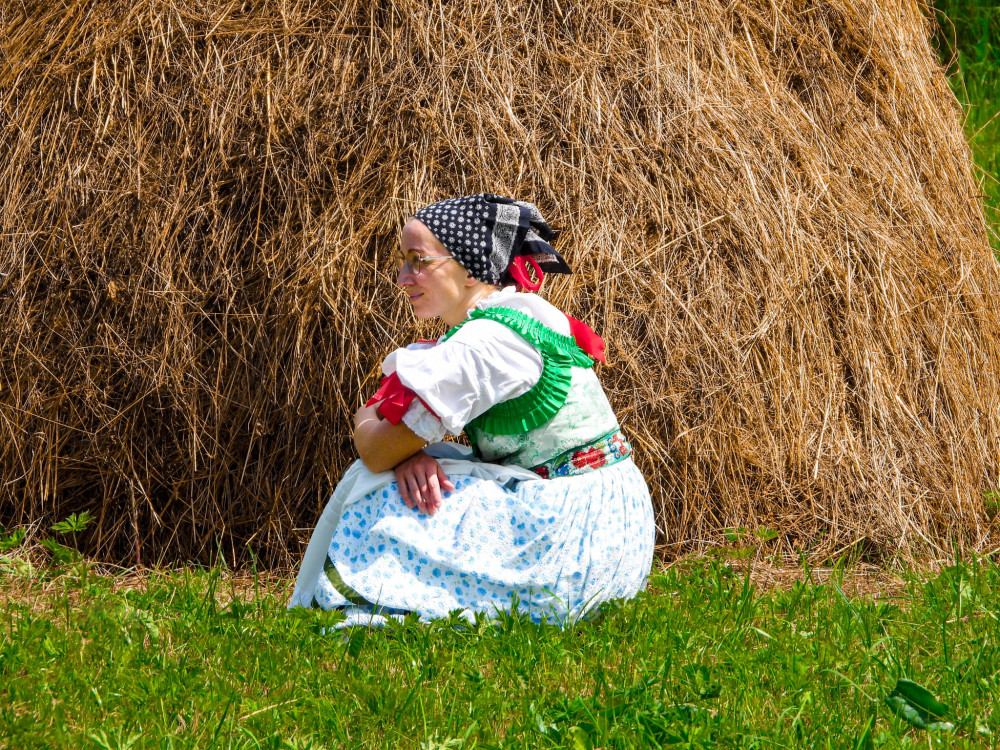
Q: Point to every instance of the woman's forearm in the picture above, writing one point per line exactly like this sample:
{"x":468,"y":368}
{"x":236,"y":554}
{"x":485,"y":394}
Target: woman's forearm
{"x":382,"y":445}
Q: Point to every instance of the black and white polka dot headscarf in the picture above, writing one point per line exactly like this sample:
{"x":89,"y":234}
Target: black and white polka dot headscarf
{"x":486,"y":233}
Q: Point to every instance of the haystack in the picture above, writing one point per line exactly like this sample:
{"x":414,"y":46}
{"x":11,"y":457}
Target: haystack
{"x":768,"y":202}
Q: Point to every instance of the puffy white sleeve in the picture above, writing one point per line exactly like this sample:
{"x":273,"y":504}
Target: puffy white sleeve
{"x":481,"y":365}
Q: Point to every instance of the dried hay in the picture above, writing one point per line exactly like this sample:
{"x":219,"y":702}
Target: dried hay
{"x":769,"y":204}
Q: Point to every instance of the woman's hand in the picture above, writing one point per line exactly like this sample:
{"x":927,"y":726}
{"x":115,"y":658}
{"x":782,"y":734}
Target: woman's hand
{"x":421,"y":480}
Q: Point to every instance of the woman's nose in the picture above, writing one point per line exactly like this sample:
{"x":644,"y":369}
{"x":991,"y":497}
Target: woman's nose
{"x":405,"y":276}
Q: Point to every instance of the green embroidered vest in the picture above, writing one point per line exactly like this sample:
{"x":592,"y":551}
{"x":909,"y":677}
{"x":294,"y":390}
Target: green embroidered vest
{"x":564,"y":409}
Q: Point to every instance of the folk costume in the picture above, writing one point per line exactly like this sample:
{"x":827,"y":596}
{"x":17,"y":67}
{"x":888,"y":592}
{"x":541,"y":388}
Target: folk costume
{"x":549,"y":514}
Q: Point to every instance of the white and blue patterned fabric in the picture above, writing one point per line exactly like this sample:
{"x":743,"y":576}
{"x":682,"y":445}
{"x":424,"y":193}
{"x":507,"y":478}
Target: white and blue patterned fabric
{"x":559,"y":548}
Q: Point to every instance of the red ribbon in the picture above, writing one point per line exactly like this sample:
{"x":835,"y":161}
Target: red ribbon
{"x":396,"y":399}
{"x":586,"y":339}
{"x":522,"y":279}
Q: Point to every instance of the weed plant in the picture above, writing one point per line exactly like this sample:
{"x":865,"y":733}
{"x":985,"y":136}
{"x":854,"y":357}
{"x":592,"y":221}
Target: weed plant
{"x":970,"y":45}
{"x":702,"y":659}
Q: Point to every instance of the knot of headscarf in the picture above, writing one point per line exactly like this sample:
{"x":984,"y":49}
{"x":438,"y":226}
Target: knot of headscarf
{"x":492,"y":237}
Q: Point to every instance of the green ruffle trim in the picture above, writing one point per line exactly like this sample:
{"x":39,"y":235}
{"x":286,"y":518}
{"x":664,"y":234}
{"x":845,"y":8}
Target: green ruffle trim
{"x":536,"y":407}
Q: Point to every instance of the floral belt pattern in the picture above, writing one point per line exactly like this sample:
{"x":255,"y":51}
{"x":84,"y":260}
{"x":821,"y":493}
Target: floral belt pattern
{"x":605,"y":451}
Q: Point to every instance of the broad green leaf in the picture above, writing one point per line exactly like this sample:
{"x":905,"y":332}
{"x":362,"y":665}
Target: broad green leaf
{"x":74,"y":524}
{"x":12,"y":540}
{"x":921,"y":697}
{"x":766,"y":534}
{"x":917,"y":706}
{"x":356,"y":642}
{"x":580,"y":739}
{"x":61,"y":555}
{"x":146,"y":619}
{"x":540,"y":723}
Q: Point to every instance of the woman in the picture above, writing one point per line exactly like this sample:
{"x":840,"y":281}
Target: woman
{"x":550,"y":514}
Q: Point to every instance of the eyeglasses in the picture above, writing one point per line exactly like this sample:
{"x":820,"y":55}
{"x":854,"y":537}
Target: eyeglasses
{"x":414,"y":263}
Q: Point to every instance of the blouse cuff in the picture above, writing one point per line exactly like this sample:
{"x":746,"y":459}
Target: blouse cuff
{"x":423,"y":422}
{"x":393,"y":399}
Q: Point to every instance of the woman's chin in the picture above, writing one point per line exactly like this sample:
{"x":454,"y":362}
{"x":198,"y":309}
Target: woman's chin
{"x":420,"y":312}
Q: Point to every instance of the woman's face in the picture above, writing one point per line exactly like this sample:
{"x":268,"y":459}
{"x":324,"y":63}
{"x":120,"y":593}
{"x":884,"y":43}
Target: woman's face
{"x":441,"y":289}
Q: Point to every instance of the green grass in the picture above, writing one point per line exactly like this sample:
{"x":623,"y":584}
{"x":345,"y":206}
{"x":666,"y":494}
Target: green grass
{"x":970,"y":41}
{"x":703,"y":659}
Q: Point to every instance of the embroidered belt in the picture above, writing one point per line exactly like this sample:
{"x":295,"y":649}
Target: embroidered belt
{"x":604,"y":451}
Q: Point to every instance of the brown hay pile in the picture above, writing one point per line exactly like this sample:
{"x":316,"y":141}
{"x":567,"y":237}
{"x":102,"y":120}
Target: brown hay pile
{"x":769,"y":205}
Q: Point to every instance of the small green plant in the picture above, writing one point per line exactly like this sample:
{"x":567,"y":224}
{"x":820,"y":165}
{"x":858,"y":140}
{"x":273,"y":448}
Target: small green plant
{"x":12,"y":540}
{"x":765,"y":534}
{"x":74,"y":524}
{"x":991,"y":500}
{"x":61,"y":554}
{"x":734,"y":534}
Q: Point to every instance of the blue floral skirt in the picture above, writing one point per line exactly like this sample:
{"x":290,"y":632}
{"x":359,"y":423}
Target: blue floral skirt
{"x":555,"y":548}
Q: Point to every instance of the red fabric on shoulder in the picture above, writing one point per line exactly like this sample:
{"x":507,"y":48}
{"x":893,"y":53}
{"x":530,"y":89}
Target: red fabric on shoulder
{"x":396,"y":399}
{"x":586,"y":339}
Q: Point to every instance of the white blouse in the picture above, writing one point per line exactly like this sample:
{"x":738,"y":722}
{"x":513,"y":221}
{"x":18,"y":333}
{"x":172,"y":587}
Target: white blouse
{"x":483,"y":364}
